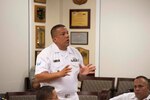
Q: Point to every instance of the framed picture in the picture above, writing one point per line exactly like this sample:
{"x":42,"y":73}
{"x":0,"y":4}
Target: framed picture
{"x":40,"y":1}
{"x":40,"y":36}
{"x":79,"y":18}
{"x":36,"y":53}
{"x":85,"y":55}
{"x":79,"y":38}
{"x":39,"y":12}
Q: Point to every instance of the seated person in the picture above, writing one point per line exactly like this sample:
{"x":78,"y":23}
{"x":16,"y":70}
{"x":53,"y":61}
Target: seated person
{"x":141,"y":90}
{"x":46,"y":93}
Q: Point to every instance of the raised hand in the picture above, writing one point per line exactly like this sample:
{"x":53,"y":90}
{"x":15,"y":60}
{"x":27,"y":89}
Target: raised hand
{"x":65,"y":71}
{"x":89,"y":69}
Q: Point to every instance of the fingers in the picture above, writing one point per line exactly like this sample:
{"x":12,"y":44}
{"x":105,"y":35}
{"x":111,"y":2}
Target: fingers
{"x":67,"y":66}
{"x":89,"y":65}
{"x":86,"y":65}
{"x":92,"y":72}
{"x":92,"y":69}
{"x":66,"y":70}
{"x":80,"y":66}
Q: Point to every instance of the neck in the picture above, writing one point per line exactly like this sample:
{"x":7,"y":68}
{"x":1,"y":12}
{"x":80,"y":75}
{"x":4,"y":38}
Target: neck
{"x":62,"y":48}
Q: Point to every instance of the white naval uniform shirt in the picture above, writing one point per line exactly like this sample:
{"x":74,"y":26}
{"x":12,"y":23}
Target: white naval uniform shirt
{"x":52,"y":59}
{"x":128,"y":96}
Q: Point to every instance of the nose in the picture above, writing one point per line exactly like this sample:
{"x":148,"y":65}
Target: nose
{"x":136,"y":88}
{"x":67,"y":35}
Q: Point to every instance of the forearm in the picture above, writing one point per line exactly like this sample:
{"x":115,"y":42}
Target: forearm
{"x":47,"y":77}
{"x":81,"y":77}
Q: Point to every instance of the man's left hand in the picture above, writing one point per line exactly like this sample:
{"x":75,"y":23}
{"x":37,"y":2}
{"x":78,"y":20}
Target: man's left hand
{"x":88,"y":69}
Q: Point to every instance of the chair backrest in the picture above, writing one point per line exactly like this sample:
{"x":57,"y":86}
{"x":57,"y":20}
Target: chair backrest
{"x":124,"y":85}
{"x":85,"y":95}
{"x":21,"y":95}
{"x":93,"y":84}
{"x":97,"y":84}
{"x":27,"y":83}
{"x":105,"y":95}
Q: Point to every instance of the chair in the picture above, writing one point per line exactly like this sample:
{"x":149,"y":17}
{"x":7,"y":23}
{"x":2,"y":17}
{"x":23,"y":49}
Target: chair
{"x":105,"y":95}
{"x":85,"y":95}
{"x":97,"y":84}
{"x":27,"y":84}
{"x":21,"y":95}
{"x":124,"y":85}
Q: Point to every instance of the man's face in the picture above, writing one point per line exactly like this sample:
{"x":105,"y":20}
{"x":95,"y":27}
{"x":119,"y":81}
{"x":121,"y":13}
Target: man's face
{"x":62,"y":38}
{"x":141,"y":88}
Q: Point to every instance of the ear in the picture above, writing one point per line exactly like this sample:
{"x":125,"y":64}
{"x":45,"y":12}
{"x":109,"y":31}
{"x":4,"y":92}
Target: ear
{"x":54,"y":39}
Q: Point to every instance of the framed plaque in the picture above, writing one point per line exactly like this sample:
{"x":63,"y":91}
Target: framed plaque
{"x":85,"y":55}
{"x":40,"y":36}
{"x":40,"y":1}
{"x":79,"y":38}
{"x":39,"y":12}
{"x":79,"y":18}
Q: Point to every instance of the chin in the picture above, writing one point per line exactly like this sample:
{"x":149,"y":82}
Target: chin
{"x":67,"y":44}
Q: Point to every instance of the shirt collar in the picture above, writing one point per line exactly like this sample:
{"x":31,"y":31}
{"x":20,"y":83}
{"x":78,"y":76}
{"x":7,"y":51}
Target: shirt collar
{"x":135,"y":98}
{"x":57,"y":50}
{"x":148,"y":97}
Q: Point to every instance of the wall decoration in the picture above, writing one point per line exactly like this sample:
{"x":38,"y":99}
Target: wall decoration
{"x":85,"y":55}
{"x":39,"y":12}
{"x":79,"y":38}
{"x":79,"y":18}
{"x":40,"y":36}
{"x":79,"y":2}
{"x":40,"y":1}
{"x":36,"y":53}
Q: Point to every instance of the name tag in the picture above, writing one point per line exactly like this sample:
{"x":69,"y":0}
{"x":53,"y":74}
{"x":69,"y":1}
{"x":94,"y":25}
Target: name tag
{"x":74,"y":60}
{"x":56,"y":60}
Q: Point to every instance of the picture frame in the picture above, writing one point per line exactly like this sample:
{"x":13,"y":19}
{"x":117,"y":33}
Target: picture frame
{"x":40,"y":1}
{"x":40,"y":36}
{"x":79,"y":38}
{"x":40,"y":13}
{"x":36,"y":53}
{"x":80,"y":18}
{"x":85,"y":54}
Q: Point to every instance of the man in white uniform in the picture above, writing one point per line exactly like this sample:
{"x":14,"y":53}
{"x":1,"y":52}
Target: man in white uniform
{"x":141,"y":90}
{"x":60,"y":65}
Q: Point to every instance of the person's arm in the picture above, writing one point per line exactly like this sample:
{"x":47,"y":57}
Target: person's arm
{"x":88,"y":69}
{"x":35,"y":84}
{"x":47,"y":77}
{"x":85,"y":70}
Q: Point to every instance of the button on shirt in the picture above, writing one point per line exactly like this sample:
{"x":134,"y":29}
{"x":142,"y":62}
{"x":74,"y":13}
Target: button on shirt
{"x":128,"y":96}
{"x":52,"y":59}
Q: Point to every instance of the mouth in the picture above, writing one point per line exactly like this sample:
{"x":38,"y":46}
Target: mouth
{"x":68,"y":40}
